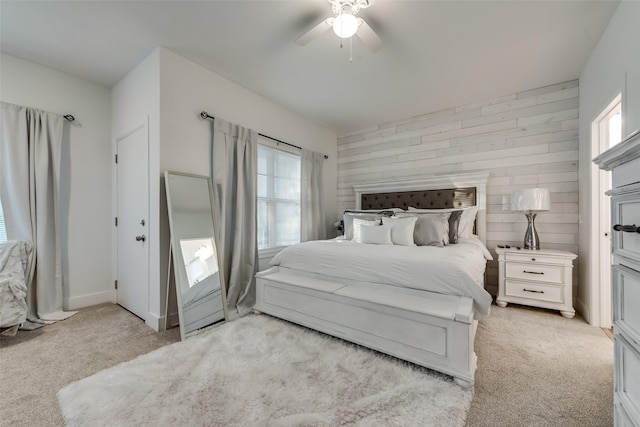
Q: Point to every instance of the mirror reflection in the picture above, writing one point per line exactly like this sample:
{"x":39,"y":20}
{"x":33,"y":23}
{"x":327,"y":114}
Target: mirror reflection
{"x":200,"y":294}
{"x":200,"y":261}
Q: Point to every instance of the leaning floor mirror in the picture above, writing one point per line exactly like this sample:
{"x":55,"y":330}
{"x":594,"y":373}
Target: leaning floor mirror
{"x":199,"y":289}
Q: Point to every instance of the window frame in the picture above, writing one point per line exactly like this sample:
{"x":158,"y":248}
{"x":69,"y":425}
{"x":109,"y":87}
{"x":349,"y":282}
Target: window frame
{"x":271,"y":251}
{"x":3,"y":226}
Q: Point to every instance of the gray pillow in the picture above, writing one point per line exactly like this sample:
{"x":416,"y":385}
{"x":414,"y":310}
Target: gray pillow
{"x":465,"y":222}
{"x":431,"y":229}
{"x":454,"y":222}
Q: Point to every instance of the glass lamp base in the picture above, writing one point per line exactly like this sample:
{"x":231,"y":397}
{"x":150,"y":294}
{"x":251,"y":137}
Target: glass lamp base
{"x":531,"y":240}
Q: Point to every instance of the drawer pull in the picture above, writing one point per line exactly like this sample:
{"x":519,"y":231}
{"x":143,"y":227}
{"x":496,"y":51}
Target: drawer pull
{"x":533,"y":259}
{"x":532,"y":272}
{"x":531,"y":290}
{"x":627,"y":228}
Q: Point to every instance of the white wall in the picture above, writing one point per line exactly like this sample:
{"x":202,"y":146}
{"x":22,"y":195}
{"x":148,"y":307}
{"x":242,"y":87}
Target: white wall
{"x":612,"y":68}
{"x":524,"y":139}
{"x":172,"y":91}
{"x":135,"y":100}
{"x":188,"y":88}
{"x":85,"y":194}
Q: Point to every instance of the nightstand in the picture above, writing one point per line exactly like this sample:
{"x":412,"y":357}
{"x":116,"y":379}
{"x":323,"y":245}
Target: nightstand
{"x":539,"y":278}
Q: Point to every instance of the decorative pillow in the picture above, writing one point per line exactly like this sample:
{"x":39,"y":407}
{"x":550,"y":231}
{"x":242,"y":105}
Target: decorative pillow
{"x":454,"y":226}
{"x":357,"y":225}
{"x":432,"y":229}
{"x":468,"y":217}
{"x":401,"y":229}
{"x":349,"y":215}
{"x":375,"y":234}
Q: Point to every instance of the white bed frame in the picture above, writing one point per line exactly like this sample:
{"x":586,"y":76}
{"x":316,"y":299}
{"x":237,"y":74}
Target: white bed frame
{"x":432,"y":330}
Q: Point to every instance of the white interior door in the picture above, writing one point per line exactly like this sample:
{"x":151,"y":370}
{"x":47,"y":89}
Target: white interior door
{"x":606,"y":131}
{"x":132,"y":221}
{"x":606,"y":316}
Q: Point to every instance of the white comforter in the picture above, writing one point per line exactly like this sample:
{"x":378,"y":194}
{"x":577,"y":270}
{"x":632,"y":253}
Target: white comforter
{"x":454,"y":269}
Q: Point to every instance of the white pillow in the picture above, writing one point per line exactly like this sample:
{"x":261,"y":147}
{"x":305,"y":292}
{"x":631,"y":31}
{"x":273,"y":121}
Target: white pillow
{"x":357,"y":225}
{"x":468,"y":217}
{"x":401,"y":230}
{"x":350,"y":215}
{"x":375,"y":234}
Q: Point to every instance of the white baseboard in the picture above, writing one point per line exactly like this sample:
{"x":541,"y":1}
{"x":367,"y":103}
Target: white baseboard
{"x":582,"y":308}
{"x":155,"y":322}
{"x":82,"y":301}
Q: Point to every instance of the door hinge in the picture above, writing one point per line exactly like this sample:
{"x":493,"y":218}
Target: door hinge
{"x":116,"y":158}
{"x":116,"y":221}
{"x":116,"y":283}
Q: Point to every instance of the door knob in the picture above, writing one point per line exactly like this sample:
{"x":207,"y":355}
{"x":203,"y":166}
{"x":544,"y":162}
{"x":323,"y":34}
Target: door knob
{"x":141,"y":238}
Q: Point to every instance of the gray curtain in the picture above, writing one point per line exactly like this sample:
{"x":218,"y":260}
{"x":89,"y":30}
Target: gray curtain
{"x":312,"y":219}
{"x":234,"y":164}
{"x":30,"y":151}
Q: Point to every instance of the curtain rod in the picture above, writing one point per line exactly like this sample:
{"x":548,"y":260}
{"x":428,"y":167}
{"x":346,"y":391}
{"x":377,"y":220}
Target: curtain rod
{"x":206,"y":115}
{"x":71,"y":119}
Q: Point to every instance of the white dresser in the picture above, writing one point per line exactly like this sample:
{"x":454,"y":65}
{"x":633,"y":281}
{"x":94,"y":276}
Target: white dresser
{"x":539,"y":278}
{"x":624,"y":161}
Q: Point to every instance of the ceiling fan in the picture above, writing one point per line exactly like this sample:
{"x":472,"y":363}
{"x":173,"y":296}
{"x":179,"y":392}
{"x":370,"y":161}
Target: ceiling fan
{"x":345,"y":24}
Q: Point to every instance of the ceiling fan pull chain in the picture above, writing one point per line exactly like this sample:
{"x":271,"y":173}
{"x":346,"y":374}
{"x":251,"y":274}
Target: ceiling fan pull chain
{"x":350,"y":49}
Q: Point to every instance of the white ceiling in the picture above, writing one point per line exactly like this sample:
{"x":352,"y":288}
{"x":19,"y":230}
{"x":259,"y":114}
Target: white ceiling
{"x":437,"y":54}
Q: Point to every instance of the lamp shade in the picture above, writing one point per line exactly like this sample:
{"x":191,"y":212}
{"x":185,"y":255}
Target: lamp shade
{"x":531,"y":199}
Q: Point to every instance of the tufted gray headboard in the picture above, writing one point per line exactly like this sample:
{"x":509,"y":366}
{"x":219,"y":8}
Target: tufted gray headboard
{"x":429,"y":192}
{"x":424,"y":199}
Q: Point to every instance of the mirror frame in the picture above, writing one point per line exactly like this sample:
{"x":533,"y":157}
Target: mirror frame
{"x":176,"y":255}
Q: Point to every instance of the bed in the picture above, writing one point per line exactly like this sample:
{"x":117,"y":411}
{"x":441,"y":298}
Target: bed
{"x":420,"y":304}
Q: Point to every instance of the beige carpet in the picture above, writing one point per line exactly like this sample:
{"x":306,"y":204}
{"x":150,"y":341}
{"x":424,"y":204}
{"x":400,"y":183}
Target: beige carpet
{"x":536,"y":368}
{"x":262,"y":371}
{"x":34,"y":365}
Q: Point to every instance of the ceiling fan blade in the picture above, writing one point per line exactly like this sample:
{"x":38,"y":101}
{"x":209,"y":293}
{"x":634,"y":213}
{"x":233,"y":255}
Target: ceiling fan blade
{"x":369,"y":37}
{"x":314,"y":32}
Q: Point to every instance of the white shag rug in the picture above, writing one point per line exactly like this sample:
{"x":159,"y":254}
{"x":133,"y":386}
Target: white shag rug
{"x":261,"y":371}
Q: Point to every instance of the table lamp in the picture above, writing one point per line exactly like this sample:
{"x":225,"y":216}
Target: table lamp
{"x":530,"y":201}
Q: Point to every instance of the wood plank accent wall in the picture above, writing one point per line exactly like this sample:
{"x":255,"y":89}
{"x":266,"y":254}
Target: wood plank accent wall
{"x":524,"y":140}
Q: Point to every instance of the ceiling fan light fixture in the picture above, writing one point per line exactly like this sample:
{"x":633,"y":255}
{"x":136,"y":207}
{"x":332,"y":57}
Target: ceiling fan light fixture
{"x":345,"y":25}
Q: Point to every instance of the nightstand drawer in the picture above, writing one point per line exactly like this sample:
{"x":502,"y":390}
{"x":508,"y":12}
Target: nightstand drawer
{"x":539,"y":273}
{"x":534,"y":291}
{"x":534,"y":258}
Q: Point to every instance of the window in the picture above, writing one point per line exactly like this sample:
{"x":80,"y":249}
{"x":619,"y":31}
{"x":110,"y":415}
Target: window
{"x":3,"y":230}
{"x":610,"y":125}
{"x":615,"y":127}
{"x":278,"y":197}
